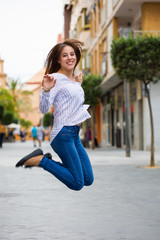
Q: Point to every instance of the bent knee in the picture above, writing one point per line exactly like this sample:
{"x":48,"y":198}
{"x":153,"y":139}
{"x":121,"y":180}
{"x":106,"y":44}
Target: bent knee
{"x":89,"y":181}
{"x":78,"y":185}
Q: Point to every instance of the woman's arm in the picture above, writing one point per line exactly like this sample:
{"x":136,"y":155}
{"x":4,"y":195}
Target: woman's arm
{"x":45,"y":101}
{"x":44,"y":104}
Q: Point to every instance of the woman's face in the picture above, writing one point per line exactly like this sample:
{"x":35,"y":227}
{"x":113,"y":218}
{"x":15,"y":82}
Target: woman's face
{"x":67,"y":58}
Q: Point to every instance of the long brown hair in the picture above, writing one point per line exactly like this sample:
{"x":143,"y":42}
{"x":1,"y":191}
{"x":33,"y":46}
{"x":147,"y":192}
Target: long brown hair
{"x":52,"y":64}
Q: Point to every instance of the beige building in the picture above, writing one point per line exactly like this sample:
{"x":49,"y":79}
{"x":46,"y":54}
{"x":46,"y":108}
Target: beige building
{"x":96,"y":22}
{"x":33,"y":85}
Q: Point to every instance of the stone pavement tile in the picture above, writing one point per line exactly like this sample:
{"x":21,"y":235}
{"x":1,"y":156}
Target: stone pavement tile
{"x":123,"y":202}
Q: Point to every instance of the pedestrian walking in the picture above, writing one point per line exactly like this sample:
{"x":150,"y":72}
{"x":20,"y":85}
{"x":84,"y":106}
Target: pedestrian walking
{"x":62,"y":89}
{"x":39,"y":134}
{"x":34,"y":135}
{"x":2,"y":133}
{"x":23,"y":135}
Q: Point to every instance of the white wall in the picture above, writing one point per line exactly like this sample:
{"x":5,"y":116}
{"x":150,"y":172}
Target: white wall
{"x":155,"y":101}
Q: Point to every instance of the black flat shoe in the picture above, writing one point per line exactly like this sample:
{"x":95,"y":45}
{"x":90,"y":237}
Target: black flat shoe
{"x":47,"y":155}
{"x":35,"y":153}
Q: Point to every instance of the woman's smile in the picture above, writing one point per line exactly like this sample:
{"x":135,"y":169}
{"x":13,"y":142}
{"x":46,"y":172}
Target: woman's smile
{"x":70,"y":62}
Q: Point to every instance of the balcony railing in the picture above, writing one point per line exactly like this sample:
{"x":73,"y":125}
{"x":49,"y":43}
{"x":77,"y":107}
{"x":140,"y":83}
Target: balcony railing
{"x":125,"y":32}
{"x":151,"y":32}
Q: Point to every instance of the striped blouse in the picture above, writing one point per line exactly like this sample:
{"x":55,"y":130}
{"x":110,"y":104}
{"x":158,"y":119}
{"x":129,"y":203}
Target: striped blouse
{"x":67,"y":98}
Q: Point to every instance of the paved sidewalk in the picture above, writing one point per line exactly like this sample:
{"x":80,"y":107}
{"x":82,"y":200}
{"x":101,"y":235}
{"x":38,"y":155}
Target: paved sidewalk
{"x":123,"y":202}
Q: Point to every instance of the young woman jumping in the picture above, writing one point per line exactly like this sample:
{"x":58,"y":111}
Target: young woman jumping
{"x":63,"y":90}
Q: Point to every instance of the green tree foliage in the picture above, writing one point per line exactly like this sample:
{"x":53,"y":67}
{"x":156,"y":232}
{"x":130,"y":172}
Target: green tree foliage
{"x":138,"y":58}
{"x":9,"y":105}
{"x":1,"y":112}
{"x":20,"y":96}
{"x":6,"y":100}
{"x":14,"y":85}
{"x":47,"y":119}
{"x":15,"y":119}
{"x":25,"y":123}
{"x":14,"y":99}
{"x":7,"y":117}
{"x":92,"y":88}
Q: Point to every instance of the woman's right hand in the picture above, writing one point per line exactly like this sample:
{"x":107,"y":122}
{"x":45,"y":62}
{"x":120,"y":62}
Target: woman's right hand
{"x":79,"y":77}
{"x":48,"y":82}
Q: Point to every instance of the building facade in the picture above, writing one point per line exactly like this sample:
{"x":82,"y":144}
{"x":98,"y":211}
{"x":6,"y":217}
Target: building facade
{"x":96,"y":22}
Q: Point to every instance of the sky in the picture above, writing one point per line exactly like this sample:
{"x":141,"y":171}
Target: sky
{"x":28,"y":30}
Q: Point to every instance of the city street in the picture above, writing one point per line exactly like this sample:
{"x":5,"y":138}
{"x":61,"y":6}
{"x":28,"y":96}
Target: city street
{"x":122,"y":204}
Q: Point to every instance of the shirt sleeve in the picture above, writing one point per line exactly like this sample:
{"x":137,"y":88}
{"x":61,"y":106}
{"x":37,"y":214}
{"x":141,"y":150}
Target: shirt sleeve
{"x":47,"y":99}
{"x":44,"y":104}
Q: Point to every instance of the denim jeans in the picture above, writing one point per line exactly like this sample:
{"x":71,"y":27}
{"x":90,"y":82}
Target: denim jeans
{"x":75,"y":171}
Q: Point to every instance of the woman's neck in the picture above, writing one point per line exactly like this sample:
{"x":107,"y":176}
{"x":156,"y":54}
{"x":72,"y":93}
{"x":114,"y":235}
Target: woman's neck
{"x":69,"y":74}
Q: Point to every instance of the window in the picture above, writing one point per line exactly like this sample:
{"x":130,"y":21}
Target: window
{"x":104,"y":64}
{"x":85,"y":20}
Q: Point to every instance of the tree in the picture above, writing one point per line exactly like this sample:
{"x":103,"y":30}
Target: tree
{"x":15,"y":119}
{"x":47,"y":119}
{"x":14,"y":85}
{"x":91,"y":85}
{"x":25,"y":123}
{"x":14,"y":99}
{"x":7,"y":118}
{"x":1,"y":112}
{"x":8,"y":105}
{"x":138,"y":58}
{"x":20,"y":96}
{"x":6,"y":100}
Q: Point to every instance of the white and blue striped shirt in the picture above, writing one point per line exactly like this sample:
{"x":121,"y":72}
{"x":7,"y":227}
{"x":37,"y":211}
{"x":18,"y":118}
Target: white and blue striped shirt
{"x":67,"y":98}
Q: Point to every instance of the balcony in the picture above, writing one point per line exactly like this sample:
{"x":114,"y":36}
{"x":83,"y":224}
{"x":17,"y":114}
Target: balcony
{"x":150,"y":32}
{"x":125,"y":32}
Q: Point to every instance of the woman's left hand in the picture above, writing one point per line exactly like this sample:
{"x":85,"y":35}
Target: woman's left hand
{"x":79,"y":77}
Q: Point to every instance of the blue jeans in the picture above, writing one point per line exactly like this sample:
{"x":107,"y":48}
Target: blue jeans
{"x":75,"y":171}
